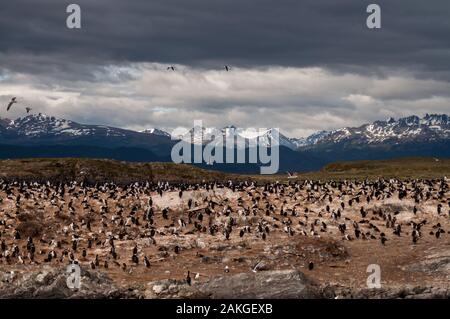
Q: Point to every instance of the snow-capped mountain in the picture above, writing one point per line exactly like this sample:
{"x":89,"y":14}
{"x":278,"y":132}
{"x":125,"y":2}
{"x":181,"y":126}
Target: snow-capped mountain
{"x":49,"y":130}
{"x":243,"y":137}
{"x":41,"y":125}
{"x":432,"y":127}
{"x":156,"y":131}
{"x":310,"y":140}
{"x":413,"y":128}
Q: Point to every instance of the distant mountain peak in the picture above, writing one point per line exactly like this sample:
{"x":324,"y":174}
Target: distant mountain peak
{"x":202,"y":135}
{"x":38,"y":116}
{"x":155,"y":131}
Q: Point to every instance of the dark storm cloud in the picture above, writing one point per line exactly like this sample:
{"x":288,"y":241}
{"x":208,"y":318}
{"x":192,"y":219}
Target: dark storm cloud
{"x":298,"y":65}
{"x":245,"y":33}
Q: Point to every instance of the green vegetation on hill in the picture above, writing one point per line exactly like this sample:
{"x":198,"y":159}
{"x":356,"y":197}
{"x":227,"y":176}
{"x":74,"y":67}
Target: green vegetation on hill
{"x":96,"y":170}
{"x":403,"y":168}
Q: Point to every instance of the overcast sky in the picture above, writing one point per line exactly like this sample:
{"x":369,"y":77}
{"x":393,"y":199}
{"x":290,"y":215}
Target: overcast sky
{"x":298,"y":65}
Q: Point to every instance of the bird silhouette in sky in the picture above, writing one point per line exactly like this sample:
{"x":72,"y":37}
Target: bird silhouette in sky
{"x":10,"y":104}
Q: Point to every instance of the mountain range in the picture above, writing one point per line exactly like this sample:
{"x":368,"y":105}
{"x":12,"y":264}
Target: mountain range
{"x":430,"y":128}
{"x":40,"y":135}
{"x":413,"y":128}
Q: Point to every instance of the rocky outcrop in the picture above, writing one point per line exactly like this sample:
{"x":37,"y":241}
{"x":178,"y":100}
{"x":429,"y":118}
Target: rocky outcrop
{"x":408,"y":292}
{"x":51,"y":282}
{"x":289,"y":284}
{"x":435,"y":263}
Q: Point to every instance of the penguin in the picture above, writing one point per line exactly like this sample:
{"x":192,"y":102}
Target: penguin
{"x":146,"y":262}
{"x":188,"y":278}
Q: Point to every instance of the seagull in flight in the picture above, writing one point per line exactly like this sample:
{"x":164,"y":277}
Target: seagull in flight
{"x":171,"y":68}
{"x":28,"y":109}
{"x":13,"y":100}
{"x":290,"y":175}
{"x":227,"y":68}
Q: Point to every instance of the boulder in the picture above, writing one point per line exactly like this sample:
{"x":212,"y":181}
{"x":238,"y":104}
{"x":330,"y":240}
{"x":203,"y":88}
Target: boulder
{"x":282,"y":284}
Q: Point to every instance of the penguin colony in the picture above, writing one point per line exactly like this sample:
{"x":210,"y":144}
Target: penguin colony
{"x":127,"y":228}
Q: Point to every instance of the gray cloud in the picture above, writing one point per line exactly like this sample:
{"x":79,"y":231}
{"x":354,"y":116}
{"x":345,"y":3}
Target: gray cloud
{"x":298,"y":65}
{"x":298,"y":100}
{"x":245,"y":33}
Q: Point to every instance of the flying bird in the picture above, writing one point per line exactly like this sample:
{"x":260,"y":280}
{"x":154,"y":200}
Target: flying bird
{"x":227,"y":68}
{"x":290,"y":175}
{"x":13,"y":100}
{"x":171,"y":68}
{"x":28,"y":109}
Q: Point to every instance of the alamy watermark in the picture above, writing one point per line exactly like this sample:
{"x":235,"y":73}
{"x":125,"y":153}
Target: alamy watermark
{"x":374,"y":19}
{"x":374,"y":279}
{"x":230,"y":145}
{"x":73,"y":20}
{"x":73,"y":280}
